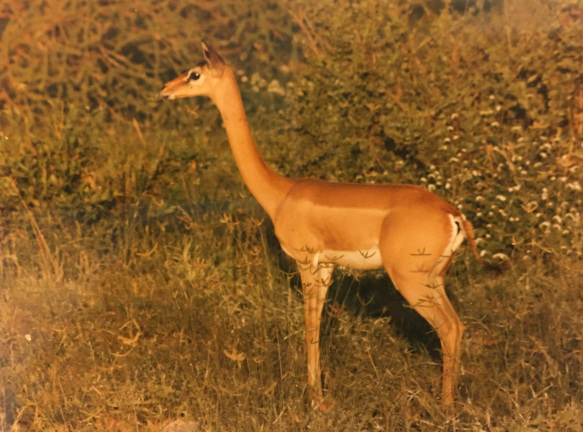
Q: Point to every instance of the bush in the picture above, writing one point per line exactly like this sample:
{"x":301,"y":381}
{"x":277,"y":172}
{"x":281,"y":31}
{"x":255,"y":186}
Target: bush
{"x":467,"y":105}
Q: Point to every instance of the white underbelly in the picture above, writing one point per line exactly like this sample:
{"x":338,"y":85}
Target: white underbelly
{"x":367,"y":259}
{"x":357,"y":260}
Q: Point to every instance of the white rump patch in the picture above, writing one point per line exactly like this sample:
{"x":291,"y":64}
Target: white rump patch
{"x":457,"y":237}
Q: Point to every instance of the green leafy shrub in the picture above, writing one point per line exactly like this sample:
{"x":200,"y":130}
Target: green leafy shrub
{"x":467,"y":105}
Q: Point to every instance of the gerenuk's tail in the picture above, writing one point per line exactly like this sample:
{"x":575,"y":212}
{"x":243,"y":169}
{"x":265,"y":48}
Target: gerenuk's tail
{"x":471,"y":238}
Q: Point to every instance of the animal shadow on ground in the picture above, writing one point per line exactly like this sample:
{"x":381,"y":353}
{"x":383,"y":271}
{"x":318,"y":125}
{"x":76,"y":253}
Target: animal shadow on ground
{"x":371,"y":294}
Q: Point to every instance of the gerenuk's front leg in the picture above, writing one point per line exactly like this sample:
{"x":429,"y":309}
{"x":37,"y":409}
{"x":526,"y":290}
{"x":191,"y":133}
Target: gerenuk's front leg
{"x":315,"y":283}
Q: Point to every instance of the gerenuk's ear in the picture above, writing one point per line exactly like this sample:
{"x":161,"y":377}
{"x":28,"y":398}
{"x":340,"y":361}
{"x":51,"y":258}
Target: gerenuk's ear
{"x":214,"y":60}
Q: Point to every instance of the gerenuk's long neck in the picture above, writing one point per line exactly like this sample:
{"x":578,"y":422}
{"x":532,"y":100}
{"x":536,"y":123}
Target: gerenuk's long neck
{"x":266,"y":186}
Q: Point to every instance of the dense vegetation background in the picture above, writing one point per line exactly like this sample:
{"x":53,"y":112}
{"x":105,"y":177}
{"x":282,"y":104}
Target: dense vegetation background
{"x":141,"y":286}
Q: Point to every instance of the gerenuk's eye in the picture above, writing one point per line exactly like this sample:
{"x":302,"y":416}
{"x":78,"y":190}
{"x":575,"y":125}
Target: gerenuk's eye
{"x":193,"y":76}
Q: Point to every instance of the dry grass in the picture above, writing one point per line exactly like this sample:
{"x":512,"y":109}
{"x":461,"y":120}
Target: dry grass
{"x":137,"y":345}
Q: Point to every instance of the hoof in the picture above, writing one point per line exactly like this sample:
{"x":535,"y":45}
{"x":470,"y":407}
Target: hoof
{"x":323,"y":405}
{"x":319,"y":402}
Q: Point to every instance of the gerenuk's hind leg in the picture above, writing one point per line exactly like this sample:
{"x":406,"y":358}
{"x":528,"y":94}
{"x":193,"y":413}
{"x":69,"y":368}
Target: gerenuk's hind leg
{"x":416,"y":259}
{"x":428,"y":297}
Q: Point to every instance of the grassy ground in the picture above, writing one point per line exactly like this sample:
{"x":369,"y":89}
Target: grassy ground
{"x":202,"y":321}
